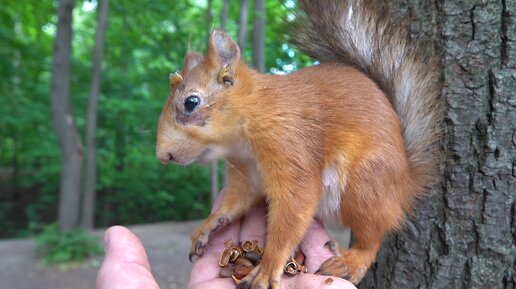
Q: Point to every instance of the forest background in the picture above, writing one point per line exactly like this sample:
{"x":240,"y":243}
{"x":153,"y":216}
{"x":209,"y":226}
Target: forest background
{"x":98,"y":80}
{"x":142,"y":46}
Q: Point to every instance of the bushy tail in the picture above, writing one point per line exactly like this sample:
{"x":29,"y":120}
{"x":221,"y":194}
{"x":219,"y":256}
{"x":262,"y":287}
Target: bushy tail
{"x":359,"y":33}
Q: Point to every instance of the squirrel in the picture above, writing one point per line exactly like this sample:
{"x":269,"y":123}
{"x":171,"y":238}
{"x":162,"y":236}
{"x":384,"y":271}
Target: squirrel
{"x":353,"y":139}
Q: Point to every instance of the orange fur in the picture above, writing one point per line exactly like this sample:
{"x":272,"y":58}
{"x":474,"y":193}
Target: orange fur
{"x":280,"y":135}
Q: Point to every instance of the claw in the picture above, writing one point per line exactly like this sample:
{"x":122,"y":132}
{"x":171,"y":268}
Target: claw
{"x":199,"y":249}
{"x":242,"y":284}
{"x":328,"y":244}
{"x":196,"y":252}
{"x":192,"y":257}
{"x":333,"y":246}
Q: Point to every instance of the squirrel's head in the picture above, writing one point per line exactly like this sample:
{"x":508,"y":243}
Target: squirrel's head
{"x":198,"y":119}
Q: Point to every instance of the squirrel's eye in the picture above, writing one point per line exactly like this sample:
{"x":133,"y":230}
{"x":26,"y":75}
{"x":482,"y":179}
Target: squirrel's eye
{"x":191,"y":103}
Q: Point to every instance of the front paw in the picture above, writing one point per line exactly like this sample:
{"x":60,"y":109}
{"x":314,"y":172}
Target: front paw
{"x":201,"y":237}
{"x":197,"y":249}
{"x":200,"y":240}
{"x":260,"y":278}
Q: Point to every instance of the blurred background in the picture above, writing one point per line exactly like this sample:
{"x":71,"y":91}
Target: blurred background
{"x":143,"y":43}
{"x":83,"y":83}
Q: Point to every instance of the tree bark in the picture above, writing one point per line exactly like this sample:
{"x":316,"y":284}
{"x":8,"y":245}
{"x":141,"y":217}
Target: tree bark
{"x":88,"y":205}
{"x":224,"y":14}
{"x":242,"y":25}
{"x":462,"y":234}
{"x":259,"y":36}
{"x":63,"y":121}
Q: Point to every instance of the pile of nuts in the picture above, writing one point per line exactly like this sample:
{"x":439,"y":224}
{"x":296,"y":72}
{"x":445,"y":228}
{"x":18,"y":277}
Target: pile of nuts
{"x":236,"y":261}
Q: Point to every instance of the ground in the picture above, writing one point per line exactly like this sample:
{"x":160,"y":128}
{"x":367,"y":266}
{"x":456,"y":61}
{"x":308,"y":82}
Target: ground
{"x":167,"y":246}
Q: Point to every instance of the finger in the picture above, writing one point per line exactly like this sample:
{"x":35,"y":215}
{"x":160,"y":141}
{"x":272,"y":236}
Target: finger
{"x":254,"y":226}
{"x":125,"y":264}
{"x":310,"y":281}
{"x":219,"y":283}
{"x":313,"y":247}
{"x":207,"y":266}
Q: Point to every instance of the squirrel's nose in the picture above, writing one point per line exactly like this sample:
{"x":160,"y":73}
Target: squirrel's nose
{"x":165,"y":157}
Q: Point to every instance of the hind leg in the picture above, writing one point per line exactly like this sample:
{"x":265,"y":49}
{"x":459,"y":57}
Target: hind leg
{"x":369,"y":221}
{"x":351,"y":264}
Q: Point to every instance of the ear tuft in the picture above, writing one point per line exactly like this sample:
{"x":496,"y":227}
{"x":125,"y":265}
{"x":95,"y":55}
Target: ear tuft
{"x":175,"y":79}
{"x":226,"y":76}
{"x":223,"y":48}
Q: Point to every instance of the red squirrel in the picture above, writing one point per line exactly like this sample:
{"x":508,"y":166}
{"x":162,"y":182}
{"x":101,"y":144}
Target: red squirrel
{"x":351,"y":140}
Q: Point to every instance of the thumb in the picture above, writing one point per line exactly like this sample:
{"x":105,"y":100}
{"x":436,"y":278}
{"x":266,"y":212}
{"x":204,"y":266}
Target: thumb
{"x":125,"y":264}
{"x":310,"y":281}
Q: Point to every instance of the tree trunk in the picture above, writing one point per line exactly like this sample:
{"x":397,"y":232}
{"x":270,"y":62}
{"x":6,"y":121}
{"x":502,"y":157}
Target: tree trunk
{"x":224,"y":14}
{"x":259,"y":35}
{"x":242,"y":25}
{"x":63,"y":121}
{"x":88,"y":206}
{"x":214,"y":184}
{"x":223,"y":23}
{"x":463,"y":233}
{"x":209,"y":18}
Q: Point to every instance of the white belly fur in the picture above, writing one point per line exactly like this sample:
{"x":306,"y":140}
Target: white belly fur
{"x":334,"y":185}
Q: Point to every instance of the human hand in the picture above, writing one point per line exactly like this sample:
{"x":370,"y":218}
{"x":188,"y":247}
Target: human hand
{"x":205,"y":273}
{"x":125,"y":265}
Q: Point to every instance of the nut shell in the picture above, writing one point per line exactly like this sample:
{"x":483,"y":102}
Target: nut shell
{"x":241,"y":272}
{"x":243,"y":262}
{"x":225,"y":257}
{"x":225,"y":272}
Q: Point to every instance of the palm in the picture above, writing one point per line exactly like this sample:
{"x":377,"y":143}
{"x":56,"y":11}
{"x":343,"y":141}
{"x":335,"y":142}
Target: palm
{"x":126,"y":265}
{"x":205,"y":273}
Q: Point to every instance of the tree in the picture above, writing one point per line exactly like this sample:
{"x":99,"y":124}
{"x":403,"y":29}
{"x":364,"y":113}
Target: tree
{"x":242,"y":25}
{"x":259,"y":35}
{"x":209,"y":18}
{"x":144,"y":46}
{"x":88,"y":206}
{"x":63,"y":121}
{"x":462,"y":234}
{"x":224,"y":14}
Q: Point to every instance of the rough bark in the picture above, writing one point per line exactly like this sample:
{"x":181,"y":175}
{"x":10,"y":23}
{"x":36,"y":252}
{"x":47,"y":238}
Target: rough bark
{"x":88,"y":202}
{"x":462,"y":233}
{"x":259,"y":35}
{"x":63,"y":121}
{"x":242,"y":25}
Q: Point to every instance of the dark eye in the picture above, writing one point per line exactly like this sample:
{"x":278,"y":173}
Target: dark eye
{"x":191,"y":103}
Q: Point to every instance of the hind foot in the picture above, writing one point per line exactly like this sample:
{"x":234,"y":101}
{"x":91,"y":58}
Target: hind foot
{"x":349,"y":264}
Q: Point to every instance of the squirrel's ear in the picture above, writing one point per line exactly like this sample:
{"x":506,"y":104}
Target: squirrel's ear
{"x":223,"y":49}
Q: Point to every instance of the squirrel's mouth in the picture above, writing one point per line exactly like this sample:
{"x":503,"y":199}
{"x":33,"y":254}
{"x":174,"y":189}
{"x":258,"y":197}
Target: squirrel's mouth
{"x":205,"y":157}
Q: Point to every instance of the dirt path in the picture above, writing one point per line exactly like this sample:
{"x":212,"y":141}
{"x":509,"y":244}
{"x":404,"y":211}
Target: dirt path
{"x":167,"y":246}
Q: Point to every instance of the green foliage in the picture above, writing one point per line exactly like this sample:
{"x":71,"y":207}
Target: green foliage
{"x":54,"y":246}
{"x":145,"y":41}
